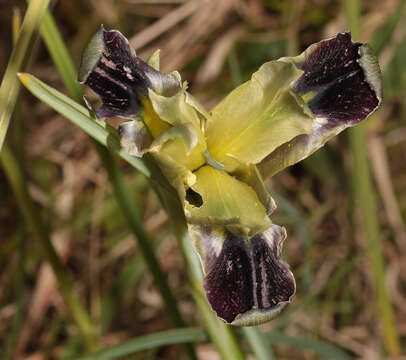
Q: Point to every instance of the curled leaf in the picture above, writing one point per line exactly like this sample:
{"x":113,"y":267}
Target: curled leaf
{"x":245,"y":282}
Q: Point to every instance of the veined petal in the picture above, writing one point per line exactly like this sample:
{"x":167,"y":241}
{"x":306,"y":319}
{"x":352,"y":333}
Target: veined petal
{"x":341,"y":84}
{"x":110,"y":67}
{"x":225,"y":201}
{"x":257,"y":117}
{"x":245,"y":282}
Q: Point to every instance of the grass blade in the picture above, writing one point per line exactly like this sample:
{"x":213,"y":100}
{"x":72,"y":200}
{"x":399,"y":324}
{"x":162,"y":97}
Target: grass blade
{"x":61,"y":56}
{"x":146,"y":342}
{"x":10,"y":85}
{"x":365,"y":191}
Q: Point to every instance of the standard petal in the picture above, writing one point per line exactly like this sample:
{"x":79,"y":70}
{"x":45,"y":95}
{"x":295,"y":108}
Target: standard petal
{"x":257,"y":117}
{"x":110,"y":67}
{"x":225,"y":201}
{"x":341,"y":84}
{"x":245,"y":282}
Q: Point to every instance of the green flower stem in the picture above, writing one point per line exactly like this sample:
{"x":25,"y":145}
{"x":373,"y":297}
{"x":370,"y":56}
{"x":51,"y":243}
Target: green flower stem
{"x":34,"y":221}
{"x":220,"y":333}
{"x":10,"y":85}
{"x":259,"y":345}
{"x":63,"y":62}
{"x":366,"y":196}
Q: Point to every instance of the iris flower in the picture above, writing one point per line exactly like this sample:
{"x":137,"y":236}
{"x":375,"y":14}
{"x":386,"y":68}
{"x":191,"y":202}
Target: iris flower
{"x":217,"y":161}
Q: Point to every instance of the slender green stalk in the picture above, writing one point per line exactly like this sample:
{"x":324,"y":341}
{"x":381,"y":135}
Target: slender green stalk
{"x":63,"y":62}
{"x":60,"y":56}
{"x":220,"y":333}
{"x":257,"y":340}
{"x":33,"y":219}
{"x":10,"y":85}
{"x":366,"y":197}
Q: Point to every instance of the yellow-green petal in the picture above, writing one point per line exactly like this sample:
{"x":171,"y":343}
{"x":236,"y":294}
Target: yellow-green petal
{"x":174,"y":109}
{"x":257,"y":117}
{"x":226,"y":201}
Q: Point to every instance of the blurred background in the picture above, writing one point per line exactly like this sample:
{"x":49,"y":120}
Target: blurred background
{"x":347,"y":299}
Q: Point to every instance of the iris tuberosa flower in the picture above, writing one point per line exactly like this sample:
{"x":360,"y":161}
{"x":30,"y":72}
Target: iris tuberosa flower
{"x":217,"y":161}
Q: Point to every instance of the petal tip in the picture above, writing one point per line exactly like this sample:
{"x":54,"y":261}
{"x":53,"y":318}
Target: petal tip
{"x":246,"y":282}
{"x":372,"y":72}
{"x":91,"y":55}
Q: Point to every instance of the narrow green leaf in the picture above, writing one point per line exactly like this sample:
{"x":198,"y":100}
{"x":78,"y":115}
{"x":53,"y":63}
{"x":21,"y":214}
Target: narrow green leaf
{"x":10,"y":86}
{"x":146,"y":342}
{"x":365,"y":194}
{"x":80,"y":116}
{"x":60,"y":56}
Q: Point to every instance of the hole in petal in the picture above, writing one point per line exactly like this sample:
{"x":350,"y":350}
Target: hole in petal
{"x":194,"y":198}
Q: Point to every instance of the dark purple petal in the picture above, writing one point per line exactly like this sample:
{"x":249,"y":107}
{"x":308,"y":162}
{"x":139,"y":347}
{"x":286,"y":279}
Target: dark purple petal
{"x":333,"y":73}
{"x":341,"y":84}
{"x":110,"y":68}
{"x":246,"y":283}
{"x":229,"y":284}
